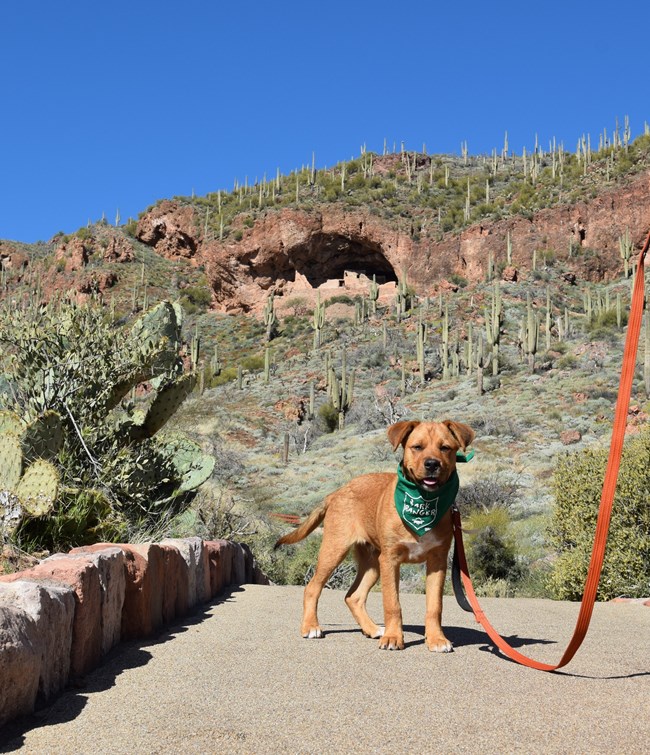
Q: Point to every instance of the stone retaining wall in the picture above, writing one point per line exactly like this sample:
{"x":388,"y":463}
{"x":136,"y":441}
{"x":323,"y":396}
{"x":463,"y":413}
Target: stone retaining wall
{"x":59,"y":618}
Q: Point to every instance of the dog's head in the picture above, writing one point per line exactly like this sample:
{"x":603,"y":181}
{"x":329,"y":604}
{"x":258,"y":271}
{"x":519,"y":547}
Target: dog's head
{"x":430,"y":449}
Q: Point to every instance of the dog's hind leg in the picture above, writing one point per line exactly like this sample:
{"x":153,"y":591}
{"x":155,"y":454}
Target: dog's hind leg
{"x":330,"y":556}
{"x":367,"y":576}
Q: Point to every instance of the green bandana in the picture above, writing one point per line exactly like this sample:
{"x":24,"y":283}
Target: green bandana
{"x":419,"y":509}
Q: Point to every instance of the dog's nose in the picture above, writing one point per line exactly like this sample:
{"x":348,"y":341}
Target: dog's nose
{"x":431,"y":465}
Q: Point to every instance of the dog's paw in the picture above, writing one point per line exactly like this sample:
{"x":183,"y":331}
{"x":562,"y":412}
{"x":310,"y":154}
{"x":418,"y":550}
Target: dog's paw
{"x":313,"y":633}
{"x":391,"y":642}
{"x":375,"y":633}
{"x":440,"y":645}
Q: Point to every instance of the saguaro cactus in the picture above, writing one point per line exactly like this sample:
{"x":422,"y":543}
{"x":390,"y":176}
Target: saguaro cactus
{"x":318,"y":321}
{"x":341,"y":391}
{"x":444,"y":345}
{"x":625,"y":247}
{"x":403,"y":298}
{"x":420,"y":339}
{"x":493,"y":319}
{"x":481,"y":363}
{"x":531,"y":339}
{"x":269,"y":317}
{"x":549,"y":318}
{"x":373,"y":295}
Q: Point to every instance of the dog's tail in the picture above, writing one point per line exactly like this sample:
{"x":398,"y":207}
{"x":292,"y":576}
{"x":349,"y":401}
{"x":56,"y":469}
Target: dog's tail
{"x":304,"y":529}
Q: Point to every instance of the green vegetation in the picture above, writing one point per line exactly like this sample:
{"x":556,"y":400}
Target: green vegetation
{"x":577,"y":486}
{"x":83,"y":456}
{"x":417,"y":186}
{"x":271,"y":397}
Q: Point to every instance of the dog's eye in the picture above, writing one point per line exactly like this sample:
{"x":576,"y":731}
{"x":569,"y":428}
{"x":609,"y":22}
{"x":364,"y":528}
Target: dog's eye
{"x":445,"y":448}
{"x":416,"y":447}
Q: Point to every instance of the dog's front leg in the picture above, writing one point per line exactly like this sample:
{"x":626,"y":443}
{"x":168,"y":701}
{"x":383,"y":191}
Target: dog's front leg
{"x":393,"y":638}
{"x":436,"y":570}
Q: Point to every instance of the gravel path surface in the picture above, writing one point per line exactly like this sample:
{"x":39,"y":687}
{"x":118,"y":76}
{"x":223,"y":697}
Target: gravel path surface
{"x":240,"y":679}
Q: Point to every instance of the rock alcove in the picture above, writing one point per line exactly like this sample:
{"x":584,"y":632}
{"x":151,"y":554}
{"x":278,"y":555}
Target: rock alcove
{"x":327,"y":257}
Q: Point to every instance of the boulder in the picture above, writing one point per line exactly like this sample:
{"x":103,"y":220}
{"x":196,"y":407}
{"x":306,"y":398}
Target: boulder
{"x":50,"y":607}
{"x":238,"y":565}
{"x":569,"y":437}
{"x":73,"y":255}
{"x":198,"y":569}
{"x":20,"y":663}
{"x":220,"y":555}
{"x":176,"y":584}
{"x":109,"y":561}
{"x":143,"y":599}
{"x":82,"y":576}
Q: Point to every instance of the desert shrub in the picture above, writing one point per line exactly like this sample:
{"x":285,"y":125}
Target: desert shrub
{"x":492,"y":553}
{"x":577,"y":487}
{"x":328,"y":416}
{"x":200,"y":296}
{"x":458,"y":280}
{"x":567,"y":362}
{"x":227,"y":375}
{"x":84,"y":233}
{"x":253,"y":363}
{"x":488,"y":491}
{"x":605,"y":322}
{"x":366,"y":416}
{"x":341,"y":299}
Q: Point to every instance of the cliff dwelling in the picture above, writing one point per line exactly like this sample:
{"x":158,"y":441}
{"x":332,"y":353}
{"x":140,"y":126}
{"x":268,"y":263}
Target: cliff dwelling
{"x":333,"y":259}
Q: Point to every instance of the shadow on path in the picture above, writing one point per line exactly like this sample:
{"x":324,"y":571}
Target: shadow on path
{"x":127,"y":655}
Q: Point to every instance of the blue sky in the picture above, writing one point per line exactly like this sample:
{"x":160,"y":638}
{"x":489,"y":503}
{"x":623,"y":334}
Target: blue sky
{"x":110,"y":106}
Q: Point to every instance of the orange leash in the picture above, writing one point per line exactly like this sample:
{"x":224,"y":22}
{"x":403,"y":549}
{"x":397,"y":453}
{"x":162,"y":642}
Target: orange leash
{"x":606,"y":498}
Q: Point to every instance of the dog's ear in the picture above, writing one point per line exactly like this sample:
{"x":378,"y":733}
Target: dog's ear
{"x":399,"y":432}
{"x":463,"y":433}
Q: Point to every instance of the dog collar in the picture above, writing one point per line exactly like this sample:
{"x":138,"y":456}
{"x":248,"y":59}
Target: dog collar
{"x":419,"y":509}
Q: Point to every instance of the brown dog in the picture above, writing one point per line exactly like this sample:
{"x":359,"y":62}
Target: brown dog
{"x":363,"y":515}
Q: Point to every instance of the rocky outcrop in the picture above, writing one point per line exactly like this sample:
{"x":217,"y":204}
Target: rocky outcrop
{"x":12,"y":259}
{"x":170,"y":229}
{"x":294,"y":251}
{"x":71,"y":256}
{"x":60,"y":618}
{"x":118,"y":249}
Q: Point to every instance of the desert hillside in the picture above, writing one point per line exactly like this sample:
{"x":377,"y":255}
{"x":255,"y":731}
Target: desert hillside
{"x":324,"y":305}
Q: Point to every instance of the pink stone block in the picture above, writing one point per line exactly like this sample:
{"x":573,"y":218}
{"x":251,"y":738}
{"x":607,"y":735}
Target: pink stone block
{"x":193,"y":552}
{"x":143,"y":599}
{"x":238,"y":576}
{"x":109,"y":560}
{"x":176,"y":584}
{"x":83,"y":577}
{"x":220,"y":557}
{"x":20,"y":663}
{"x":50,"y":608}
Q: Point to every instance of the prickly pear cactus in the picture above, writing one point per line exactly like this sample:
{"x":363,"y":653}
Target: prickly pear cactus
{"x":10,"y":423}
{"x":43,"y":438}
{"x":161,"y":324}
{"x":72,"y":376}
{"x":37,"y":488}
{"x":11,"y":461}
{"x":167,"y":401}
{"x":25,"y":489}
{"x":193,"y":467}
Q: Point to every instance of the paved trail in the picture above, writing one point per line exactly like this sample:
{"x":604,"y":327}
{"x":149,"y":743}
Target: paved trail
{"x":240,"y":679}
